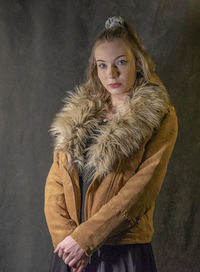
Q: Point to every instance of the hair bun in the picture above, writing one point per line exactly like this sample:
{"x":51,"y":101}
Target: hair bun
{"x":114,"y":21}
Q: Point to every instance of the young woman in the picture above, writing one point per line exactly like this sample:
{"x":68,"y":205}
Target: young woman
{"x":113,"y":140}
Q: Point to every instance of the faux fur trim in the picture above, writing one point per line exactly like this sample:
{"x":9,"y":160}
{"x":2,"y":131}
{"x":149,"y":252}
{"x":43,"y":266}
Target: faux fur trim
{"x":119,"y":138}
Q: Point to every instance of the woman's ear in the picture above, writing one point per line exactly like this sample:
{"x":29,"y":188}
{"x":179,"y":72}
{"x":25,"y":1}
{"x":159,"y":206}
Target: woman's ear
{"x":138,"y":72}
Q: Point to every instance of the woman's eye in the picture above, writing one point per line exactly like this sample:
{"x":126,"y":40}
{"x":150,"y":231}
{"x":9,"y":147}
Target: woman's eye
{"x":121,"y":62}
{"x":102,"y":65}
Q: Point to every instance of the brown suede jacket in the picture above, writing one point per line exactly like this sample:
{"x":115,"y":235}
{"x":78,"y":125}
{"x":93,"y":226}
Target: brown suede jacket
{"x":130,"y":158}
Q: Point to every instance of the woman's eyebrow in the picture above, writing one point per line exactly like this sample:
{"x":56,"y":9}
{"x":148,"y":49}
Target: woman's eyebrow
{"x":114,"y":59}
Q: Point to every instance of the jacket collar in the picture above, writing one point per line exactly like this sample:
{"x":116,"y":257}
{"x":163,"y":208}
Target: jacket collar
{"x":121,"y":137}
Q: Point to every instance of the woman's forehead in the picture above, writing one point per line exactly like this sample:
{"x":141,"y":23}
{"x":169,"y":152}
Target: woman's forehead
{"x":112,"y":49}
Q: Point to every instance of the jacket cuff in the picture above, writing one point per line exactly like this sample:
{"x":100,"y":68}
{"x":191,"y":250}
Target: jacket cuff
{"x":88,"y":251}
{"x":86,"y":237}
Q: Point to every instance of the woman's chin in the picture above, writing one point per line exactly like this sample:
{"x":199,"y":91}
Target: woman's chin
{"x":117,"y":91}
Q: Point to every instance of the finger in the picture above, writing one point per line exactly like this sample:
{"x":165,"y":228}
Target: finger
{"x":67,"y":259}
{"x":74,"y":269}
{"x":76,"y":265}
{"x":83,"y":261}
{"x":64,"y":256}
{"x":81,"y":267}
{"x":73,"y":261}
{"x":60,"y":253}
{"x":56,"y":250}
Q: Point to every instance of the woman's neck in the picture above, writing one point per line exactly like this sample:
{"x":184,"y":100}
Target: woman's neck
{"x":116,"y":102}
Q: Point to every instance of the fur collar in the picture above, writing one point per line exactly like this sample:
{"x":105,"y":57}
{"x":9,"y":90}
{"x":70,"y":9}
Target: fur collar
{"x":119,"y":138}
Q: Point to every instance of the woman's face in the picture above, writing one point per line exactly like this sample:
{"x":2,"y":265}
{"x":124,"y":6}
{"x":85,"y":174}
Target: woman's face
{"x":116,"y":67}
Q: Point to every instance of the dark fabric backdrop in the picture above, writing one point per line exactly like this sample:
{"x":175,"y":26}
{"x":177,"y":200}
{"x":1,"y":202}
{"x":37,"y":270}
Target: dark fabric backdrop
{"x":44,"y":50}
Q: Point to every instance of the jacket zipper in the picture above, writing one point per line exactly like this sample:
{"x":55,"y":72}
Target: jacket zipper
{"x":112,"y":183}
{"x":74,"y":195}
{"x":86,"y":196}
{"x":109,"y":189}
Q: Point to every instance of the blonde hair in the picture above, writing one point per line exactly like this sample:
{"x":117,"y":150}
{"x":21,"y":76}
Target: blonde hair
{"x":144,"y":64}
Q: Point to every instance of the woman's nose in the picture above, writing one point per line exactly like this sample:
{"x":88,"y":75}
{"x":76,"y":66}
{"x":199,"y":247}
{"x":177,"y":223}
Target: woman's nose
{"x":113,"y":72}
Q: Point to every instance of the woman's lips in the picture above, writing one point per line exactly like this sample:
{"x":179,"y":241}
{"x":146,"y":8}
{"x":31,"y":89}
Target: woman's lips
{"x":114,"y":85}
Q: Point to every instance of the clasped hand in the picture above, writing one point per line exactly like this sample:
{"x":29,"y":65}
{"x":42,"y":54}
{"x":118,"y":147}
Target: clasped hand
{"x":72,"y":254}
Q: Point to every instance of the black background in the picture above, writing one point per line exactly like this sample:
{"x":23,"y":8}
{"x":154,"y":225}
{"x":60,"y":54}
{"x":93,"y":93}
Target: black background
{"x":44,"y":51}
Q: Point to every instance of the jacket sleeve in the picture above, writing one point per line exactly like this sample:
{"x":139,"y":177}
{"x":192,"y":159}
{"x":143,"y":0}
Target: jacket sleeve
{"x":58,"y":220}
{"x":137,"y":196}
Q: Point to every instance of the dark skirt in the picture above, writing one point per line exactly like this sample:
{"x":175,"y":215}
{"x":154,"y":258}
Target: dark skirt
{"x":114,"y":258}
